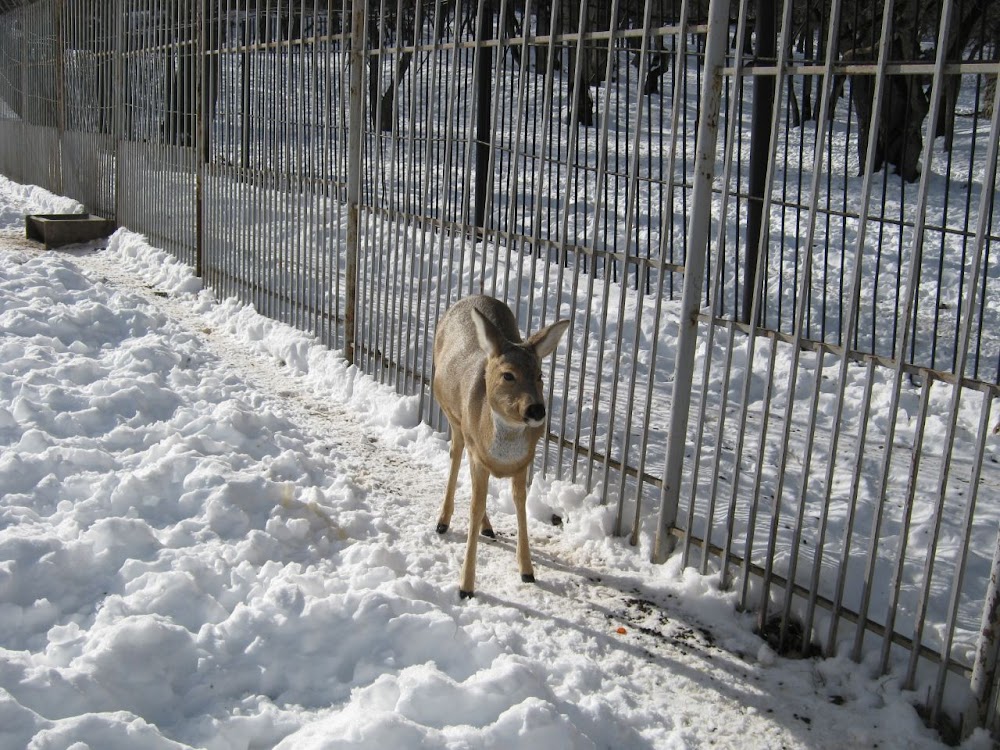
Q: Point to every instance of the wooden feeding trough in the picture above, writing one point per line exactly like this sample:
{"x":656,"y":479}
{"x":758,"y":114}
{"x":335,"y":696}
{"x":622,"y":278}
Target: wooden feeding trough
{"x":56,"y":230}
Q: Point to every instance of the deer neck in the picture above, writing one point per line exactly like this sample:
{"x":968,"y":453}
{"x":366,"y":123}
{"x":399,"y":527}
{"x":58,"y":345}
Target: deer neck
{"x":508,"y":445}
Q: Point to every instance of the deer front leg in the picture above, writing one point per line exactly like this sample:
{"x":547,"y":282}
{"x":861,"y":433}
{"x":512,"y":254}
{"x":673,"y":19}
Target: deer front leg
{"x":448,"y":506}
{"x":519,"y":485}
{"x":480,"y":484}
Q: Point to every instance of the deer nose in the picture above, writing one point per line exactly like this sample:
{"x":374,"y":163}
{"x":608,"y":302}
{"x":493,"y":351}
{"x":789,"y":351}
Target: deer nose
{"x":535,"y":412}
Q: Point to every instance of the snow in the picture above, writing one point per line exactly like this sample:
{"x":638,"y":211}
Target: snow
{"x":216,"y":534}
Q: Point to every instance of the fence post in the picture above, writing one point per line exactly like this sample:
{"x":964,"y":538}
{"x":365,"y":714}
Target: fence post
{"x":23,"y":71}
{"x":699,"y":224}
{"x":201,"y":136}
{"x":118,"y":105}
{"x":60,"y":63}
{"x":355,"y":127}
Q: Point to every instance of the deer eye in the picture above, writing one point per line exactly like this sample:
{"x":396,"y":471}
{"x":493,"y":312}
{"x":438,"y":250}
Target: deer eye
{"x":508,"y":376}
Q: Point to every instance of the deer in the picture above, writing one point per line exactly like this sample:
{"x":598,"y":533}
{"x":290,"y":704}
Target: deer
{"x":488,"y":383}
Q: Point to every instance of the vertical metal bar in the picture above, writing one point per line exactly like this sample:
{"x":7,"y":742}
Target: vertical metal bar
{"x":962,"y":352}
{"x":372,"y":261}
{"x":847,"y":340}
{"x":395,"y":218}
{"x":983,"y":682}
{"x":797,"y":534}
{"x":800,"y":333}
{"x":251,"y":148}
{"x":405,"y":317}
{"x":602,"y":335}
{"x":310,"y":127}
{"x":484,"y":99}
{"x":244,"y":183}
{"x":445,"y":286}
{"x":902,"y":343}
{"x":718,"y":440}
{"x":698,"y":231}
{"x":286,"y":248}
{"x":201,"y":95}
{"x":904,"y":532}
{"x":421,"y":363}
{"x":295,"y":201}
{"x":765,"y":102}
{"x":326,"y":291}
{"x":513,"y":170}
{"x":236,"y":191}
{"x":164,"y":49}
{"x":263,"y":146}
{"x":358,"y":9}
{"x":598,"y":212}
{"x":960,"y":564}
{"x":500,"y":117}
{"x":563,"y":238}
{"x":386,"y":282}
{"x":714,"y":305}
{"x":859,"y":456}
{"x":118,"y":111}
{"x":631,"y":202}
{"x":453,"y":151}
{"x":203,"y":119}
{"x":299,"y":190}
{"x":59,"y":44}
{"x":339,"y":169}
{"x":305,"y":302}
{"x":22,"y":14}
{"x":470,"y":150}
{"x":534,"y":244}
{"x":757,"y":300}
{"x":219,"y":182}
{"x":755,"y":498}
{"x":277,"y":194}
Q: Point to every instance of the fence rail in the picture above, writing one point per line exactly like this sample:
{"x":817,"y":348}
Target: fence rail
{"x":772,"y":225}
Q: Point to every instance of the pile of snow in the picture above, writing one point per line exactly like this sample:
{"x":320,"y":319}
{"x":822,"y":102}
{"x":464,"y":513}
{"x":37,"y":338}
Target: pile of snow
{"x":17,"y":200}
{"x":213,"y":533}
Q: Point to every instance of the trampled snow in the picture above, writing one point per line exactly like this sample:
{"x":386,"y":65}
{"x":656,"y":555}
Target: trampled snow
{"x":213,"y":533}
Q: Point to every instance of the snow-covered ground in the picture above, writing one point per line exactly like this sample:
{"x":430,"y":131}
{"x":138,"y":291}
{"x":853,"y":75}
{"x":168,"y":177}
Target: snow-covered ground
{"x":215,"y":534}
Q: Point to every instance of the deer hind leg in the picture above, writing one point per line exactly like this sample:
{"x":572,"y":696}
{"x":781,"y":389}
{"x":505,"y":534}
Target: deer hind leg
{"x":448,"y":506}
{"x":486,"y":527}
{"x":477,"y":512}
{"x":519,"y":485}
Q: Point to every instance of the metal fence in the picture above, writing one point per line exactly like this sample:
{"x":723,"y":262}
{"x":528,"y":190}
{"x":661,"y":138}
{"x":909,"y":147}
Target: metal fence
{"x":772,"y":225}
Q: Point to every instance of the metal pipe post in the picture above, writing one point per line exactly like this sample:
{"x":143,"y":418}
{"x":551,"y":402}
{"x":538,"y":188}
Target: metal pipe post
{"x":694,"y":271}
{"x":355,"y":126}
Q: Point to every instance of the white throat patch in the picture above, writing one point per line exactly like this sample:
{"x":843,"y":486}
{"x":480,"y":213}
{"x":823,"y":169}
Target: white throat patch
{"x":510,"y":441}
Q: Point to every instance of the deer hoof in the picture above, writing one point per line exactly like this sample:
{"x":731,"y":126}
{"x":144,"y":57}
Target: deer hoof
{"x":527,"y":577}
{"x":465,"y":594}
{"x":441,"y":528}
{"x":490,"y":533}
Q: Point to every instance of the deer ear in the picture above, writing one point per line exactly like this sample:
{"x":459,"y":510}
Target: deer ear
{"x":486,"y":333}
{"x":546,"y":340}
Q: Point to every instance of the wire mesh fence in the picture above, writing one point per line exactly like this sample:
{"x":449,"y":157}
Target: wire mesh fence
{"x":776,"y":246}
